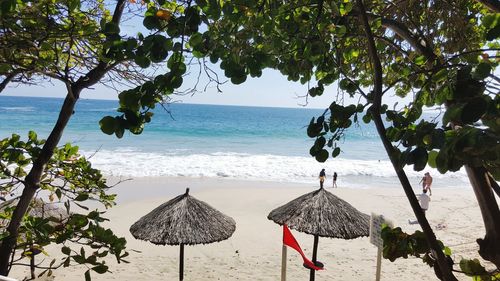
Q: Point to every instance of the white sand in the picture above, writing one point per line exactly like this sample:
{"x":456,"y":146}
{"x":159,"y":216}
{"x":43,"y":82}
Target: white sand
{"x":254,"y":251}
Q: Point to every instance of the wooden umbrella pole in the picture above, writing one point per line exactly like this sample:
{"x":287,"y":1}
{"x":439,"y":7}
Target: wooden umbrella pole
{"x":315,"y":254}
{"x":181,"y":263}
{"x":32,"y":263}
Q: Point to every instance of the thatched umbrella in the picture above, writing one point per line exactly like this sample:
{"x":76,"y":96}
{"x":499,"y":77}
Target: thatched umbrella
{"x":40,"y":209}
{"x":183,"y":220}
{"x":320,"y":213}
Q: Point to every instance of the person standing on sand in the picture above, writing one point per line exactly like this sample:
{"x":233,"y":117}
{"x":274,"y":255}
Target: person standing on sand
{"x":334,"y":179}
{"x":427,"y":182}
{"x":322,"y":176}
{"x":424,"y":200}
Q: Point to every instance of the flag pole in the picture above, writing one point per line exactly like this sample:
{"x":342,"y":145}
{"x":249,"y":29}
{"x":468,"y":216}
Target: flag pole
{"x":283,"y":263}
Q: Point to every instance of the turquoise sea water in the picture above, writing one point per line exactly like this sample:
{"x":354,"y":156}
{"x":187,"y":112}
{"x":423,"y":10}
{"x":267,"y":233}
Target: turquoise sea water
{"x":254,"y":143}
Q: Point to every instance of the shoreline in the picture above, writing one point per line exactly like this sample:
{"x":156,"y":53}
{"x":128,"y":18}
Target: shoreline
{"x":159,"y":185}
{"x":254,"y":250}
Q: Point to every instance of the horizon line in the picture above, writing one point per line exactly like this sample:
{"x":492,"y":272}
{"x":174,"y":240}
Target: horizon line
{"x":175,"y":102}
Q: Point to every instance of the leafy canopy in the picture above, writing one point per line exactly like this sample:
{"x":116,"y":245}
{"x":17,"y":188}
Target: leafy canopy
{"x":73,"y":181}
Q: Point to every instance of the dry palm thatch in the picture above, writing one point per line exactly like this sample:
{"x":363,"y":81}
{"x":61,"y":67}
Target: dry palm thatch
{"x":38,"y":208}
{"x":321,"y":213}
{"x":183,"y":220}
{"x":324,"y":214}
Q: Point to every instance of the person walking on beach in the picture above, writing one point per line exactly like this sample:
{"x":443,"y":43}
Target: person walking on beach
{"x":424,"y":200}
{"x":427,"y":182}
{"x":334,"y":179}
{"x":322,"y":176}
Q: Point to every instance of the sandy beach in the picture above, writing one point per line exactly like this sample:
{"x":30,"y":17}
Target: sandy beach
{"x":254,"y":250}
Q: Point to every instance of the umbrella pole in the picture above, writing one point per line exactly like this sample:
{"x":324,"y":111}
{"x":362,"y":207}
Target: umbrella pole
{"x":32,"y":263}
{"x":314,"y":257}
{"x":181,"y":263}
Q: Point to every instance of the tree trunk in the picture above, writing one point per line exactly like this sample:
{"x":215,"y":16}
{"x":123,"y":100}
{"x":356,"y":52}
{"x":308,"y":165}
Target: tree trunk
{"x":444,"y":267}
{"x":32,"y":180}
{"x":489,"y":247}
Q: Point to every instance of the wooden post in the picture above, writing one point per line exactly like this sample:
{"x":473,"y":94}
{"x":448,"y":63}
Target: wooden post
{"x":379,"y":263}
{"x":315,"y":253}
{"x":283,"y":263}
{"x":32,"y":264}
{"x":181,"y":263}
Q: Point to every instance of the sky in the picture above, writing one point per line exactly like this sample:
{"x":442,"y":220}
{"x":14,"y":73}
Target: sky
{"x":270,"y":90}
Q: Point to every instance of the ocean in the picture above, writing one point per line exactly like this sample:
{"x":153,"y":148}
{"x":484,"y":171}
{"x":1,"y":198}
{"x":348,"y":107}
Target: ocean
{"x":215,"y":141}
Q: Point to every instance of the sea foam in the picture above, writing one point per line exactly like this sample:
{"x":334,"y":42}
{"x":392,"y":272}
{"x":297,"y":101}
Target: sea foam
{"x":241,"y":166}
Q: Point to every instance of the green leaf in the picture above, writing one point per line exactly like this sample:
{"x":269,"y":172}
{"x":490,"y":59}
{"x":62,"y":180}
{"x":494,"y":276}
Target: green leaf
{"x":322,"y":155}
{"x":482,"y":71}
{"x":120,"y":130}
{"x":73,"y":4}
{"x":320,"y":143}
{"x":440,"y":75}
{"x":32,"y":136}
{"x":314,"y":129}
{"x":87,"y":275}
{"x":442,"y":161}
{"x":419,"y":156}
{"x":447,"y":251}
{"x":111,"y":28}
{"x":420,"y":60}
{"x":151,"y":22}
{"x":490,"y":20}
{"x":108,"y":125}
{"x":493,"y":33}
{"x":367,"y":118}
{"x":336,"y":152}
{"x":472,"y":267}
{"x":142,"y":61}
{"x":473,"y":110}
{"x":431,"y":160}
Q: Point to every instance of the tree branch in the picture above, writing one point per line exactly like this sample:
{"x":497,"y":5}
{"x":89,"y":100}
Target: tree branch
{"x":94,"y":75}
{"x":493,"y":5}
{"x":8,"y":78}
{"x":404,"y":33}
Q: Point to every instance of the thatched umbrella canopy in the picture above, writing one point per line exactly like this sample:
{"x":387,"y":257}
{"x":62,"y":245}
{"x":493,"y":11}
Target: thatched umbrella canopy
{"x":183,"y":220}
{"x":38,"y":208}
{"x":320,"y":213}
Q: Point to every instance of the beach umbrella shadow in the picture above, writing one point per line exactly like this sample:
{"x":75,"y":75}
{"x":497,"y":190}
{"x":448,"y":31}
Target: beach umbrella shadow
{"x":322,"y":214}
{"x":183,"y":220}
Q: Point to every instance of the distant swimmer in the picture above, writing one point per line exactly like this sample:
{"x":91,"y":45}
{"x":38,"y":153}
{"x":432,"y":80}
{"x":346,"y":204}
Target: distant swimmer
{"x":334,"y":179}
{"x":322,"y":176}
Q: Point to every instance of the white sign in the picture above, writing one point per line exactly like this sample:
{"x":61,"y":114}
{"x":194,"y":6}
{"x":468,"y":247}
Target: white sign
{"x":376,"y":222}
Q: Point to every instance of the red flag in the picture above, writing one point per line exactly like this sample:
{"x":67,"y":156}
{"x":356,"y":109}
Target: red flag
{"x":291,"y":242}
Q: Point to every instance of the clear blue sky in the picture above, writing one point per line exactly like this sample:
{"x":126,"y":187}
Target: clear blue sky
{"x":271,"y":90}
